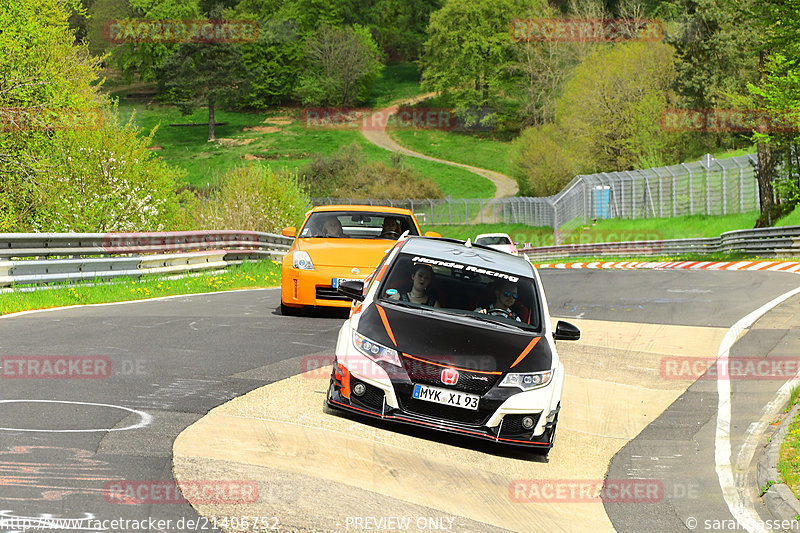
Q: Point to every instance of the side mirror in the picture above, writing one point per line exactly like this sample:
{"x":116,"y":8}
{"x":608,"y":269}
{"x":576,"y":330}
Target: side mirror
{"x":566,"y":332}
{"x":432,"y":234}
{"x":352,"y":289}
{"x":289,"y":232}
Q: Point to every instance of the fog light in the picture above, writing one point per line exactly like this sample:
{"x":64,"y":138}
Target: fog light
{"x":359,"y":389}
{"x":527,"y":422}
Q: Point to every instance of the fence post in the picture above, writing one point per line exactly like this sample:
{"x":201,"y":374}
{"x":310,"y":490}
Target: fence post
{"x":660,"y":194}
{"x":754,"y":162}
{"x":706,"y":162}
{"x":449,"y":210}
{"x":431,"y":203}
{"x":480,"y":200}
{"x":466,"y":212}
{"x":724,"y":190}
{"x":691,"y":188}
{"x":741,"y":187}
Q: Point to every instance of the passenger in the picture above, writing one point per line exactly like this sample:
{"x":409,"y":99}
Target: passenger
{"x":505,"y":296}
{"x":332,"y":227}
{"x":391,"y":229}
{"x":421,"y":279}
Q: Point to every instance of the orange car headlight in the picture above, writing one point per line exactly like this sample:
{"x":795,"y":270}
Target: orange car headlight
{"x":302,"y":261}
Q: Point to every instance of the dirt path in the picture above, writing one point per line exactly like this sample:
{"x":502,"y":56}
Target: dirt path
{"x":374,"y":129}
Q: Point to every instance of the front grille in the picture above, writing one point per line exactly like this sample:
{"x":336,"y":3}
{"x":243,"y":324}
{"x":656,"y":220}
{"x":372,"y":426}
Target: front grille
{"x":512,"y":425}
{"x":436,"y":410}
{"x":329,"y":293}
{"x":430,"y":374}
{"x":373,"y":398}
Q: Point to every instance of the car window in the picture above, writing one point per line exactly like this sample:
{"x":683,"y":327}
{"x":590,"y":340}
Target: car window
{"x":493,"y":240}
{"x":465,"y":289}
{"x":357,"y":225}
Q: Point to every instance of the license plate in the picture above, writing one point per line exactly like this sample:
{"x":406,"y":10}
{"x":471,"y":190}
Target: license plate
{"x":446,"y":397}
{"x":336,"y":281}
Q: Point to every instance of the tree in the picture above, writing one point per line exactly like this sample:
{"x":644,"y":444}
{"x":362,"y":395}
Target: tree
{"x":343,"y":64}
{"x":66,"y":163}
{"x":614,"y":102}
{"x":46,"y":80}
{"x":713,"y":51}
{"x":544,"y":160}
{"x":777,"y":92}
{"x":468,"y":48}
{"x":202,"y":72}
{"x":143,"y":59}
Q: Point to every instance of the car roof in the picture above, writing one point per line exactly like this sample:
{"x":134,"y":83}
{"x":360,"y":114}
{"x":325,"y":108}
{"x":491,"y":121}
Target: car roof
{"x":360,"y":208}
{"x":474,"y":255}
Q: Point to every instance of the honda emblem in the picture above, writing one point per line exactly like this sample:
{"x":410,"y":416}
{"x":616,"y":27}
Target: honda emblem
{"x":449,"y":376}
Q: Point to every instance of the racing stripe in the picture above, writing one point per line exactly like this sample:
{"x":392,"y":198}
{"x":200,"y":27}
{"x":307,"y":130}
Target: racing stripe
{"x":386,"y":324}
{"x":526,"y":351}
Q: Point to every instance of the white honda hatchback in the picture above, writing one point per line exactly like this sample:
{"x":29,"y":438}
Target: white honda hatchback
{"x":455,"y":337}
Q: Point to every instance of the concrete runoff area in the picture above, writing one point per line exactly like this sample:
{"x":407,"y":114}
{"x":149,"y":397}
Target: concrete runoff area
{"x":279,"y":436}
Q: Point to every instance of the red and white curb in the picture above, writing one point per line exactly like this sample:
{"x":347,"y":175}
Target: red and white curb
{"x":775,"y":266}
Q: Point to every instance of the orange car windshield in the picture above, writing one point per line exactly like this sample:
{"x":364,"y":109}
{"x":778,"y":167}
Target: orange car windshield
{"x":357,"y":225}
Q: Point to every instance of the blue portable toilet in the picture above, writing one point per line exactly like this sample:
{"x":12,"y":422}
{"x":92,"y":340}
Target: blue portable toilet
{"x":602,"y":201}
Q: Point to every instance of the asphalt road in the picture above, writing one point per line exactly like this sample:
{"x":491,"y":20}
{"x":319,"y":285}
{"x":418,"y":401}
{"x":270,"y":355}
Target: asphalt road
{"x":173,"y":360}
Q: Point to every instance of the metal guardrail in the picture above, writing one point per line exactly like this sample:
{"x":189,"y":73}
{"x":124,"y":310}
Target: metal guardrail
{"x":38,"y":258}
{"x":765,"y":242}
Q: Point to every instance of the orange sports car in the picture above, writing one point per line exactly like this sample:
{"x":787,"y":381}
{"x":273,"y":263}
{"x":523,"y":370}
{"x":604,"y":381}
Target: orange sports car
{"x":338,"y":243}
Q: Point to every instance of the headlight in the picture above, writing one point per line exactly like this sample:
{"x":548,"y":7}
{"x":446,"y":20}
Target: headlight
{"x":302,"y":261}
{"x":373,"y":350}
{"x":528,"y":381}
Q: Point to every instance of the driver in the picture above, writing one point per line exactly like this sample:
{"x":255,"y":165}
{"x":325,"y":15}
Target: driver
{"x":505,"y":296}
{"x":391,"y":228}
{"x":332,"y":227}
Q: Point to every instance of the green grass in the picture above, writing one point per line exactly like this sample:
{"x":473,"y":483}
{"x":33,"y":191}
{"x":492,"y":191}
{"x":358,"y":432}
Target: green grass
{"x":685,"y":227}
{"x":286,"y":143}
{"x":649,"y":259}
{"x":725,"y":153}
{"x":789,"y":458}
{"x":397,"y":81}
{"x":477,"y":149}
{"x":247,"y":275}
{"x":792,"y":219}
{"x":518,"y":232}
{"x":613,"y":230}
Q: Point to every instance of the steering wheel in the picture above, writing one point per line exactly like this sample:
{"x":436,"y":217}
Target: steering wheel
{"x":393,"y":234}
{"x":496,"y":311}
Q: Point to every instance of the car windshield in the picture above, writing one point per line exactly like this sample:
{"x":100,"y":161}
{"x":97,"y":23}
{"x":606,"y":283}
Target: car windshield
{"x":492,"y":240}
{"x":357,"y":225}
{"x":453,"y":287}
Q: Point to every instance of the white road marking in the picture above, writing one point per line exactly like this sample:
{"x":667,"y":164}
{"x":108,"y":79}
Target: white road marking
{"x":145,"y":421}
{"x":734,"y":488}
{"x":126,"y":302}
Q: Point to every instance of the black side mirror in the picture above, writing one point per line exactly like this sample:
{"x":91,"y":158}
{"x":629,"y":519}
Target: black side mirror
{"x":352,"y":289}
{"x":566,"y":332}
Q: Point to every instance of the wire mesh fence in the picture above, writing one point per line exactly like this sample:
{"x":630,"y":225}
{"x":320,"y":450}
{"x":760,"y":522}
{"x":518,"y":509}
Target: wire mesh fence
{"x":709,"y":186}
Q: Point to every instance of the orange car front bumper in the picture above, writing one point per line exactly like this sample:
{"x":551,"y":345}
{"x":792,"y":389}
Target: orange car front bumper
{"x":300,"y":288}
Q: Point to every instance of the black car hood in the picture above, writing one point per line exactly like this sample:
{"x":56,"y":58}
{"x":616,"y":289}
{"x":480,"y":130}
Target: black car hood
{"x":461,"y":342}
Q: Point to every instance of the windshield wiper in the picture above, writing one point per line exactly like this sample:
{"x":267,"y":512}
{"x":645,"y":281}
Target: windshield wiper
{"x":490,"y":320}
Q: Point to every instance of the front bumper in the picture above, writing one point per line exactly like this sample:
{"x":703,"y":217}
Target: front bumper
{"x":300,"y":288}
{"x":382,"y":400}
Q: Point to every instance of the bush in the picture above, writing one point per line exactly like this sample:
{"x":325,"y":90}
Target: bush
{"x":346,"y":174}
{"x":253,"y":197}
{"x":615,"y":100}
{"x":104,"y":179}
{"x":541,"y":161}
